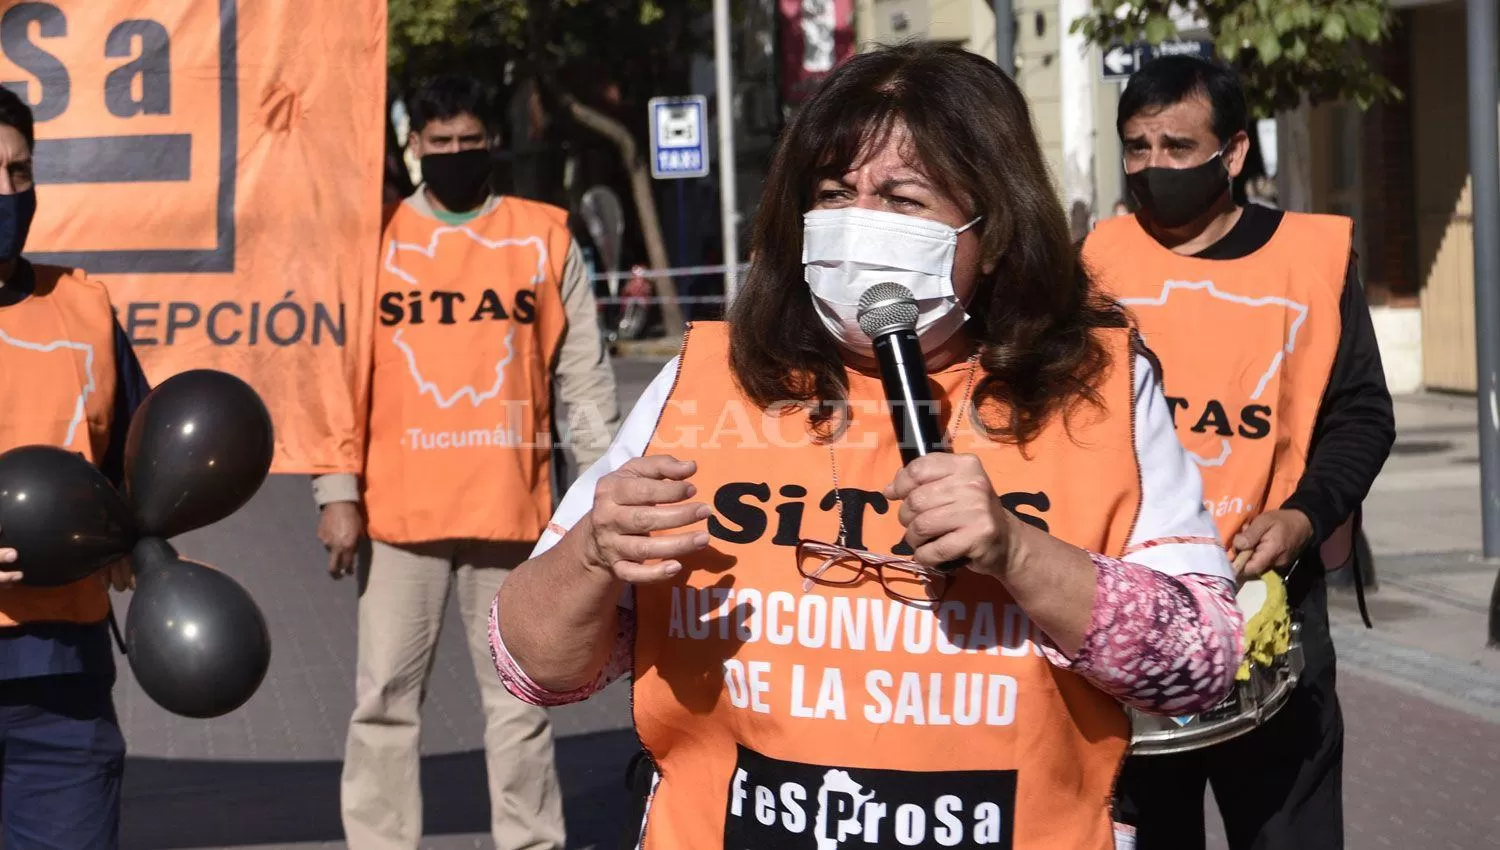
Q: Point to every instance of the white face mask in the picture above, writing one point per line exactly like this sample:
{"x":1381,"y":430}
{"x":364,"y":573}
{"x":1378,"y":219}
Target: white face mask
{"x":845,"y":252}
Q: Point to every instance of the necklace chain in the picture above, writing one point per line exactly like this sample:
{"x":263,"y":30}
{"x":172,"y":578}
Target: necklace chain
{"x":958,"y":414}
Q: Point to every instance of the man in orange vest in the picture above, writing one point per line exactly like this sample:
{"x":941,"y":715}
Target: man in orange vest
{"x":485,"y":307}
{"x":73,"y":381}
{"x":1271,"y":367}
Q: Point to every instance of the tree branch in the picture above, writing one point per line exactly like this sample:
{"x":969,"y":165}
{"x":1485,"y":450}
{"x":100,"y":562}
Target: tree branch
{"x":645,"y":202}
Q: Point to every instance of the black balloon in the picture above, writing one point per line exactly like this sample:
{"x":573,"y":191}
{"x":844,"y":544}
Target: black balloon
{"x":196,"y":641}
{"x":61,"y":516}
{"x":199,"y":447}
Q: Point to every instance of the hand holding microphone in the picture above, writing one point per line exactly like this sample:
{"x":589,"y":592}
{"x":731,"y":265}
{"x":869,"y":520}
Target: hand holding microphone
{"x":953,"y":516}
{"x":888,"y":316}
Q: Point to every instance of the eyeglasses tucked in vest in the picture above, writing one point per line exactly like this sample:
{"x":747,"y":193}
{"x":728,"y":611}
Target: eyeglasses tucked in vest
{"x":839,"y":566}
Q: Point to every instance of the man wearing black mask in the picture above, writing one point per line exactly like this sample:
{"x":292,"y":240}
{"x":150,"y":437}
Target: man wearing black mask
{"x":1270,"y":365}
{"x":484,"y":308}
{"x":70,"y":380}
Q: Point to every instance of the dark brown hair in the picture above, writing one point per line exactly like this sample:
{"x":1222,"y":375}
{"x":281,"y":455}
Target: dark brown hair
{"x":1035,"y":315}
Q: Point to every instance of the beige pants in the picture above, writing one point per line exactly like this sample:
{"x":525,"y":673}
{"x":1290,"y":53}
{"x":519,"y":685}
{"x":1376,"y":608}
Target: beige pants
{"x":403,"y":593}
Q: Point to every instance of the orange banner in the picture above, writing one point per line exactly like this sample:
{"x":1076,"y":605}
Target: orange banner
{"x":217,"y":164}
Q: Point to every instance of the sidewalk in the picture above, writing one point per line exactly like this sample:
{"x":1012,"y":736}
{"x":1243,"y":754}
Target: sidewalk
{"x":1430,"y":612}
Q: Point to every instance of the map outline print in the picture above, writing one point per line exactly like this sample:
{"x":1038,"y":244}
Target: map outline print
{"x":88,"y":365}
{"x":424,"y":386}
{"x":1207,"y":286}
{"x":476,"y":397}
{"x":493,"y":244}
{"x":825,"y":832}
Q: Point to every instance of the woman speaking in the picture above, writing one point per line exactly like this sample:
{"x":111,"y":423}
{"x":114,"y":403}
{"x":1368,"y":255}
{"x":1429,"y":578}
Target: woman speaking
{"x":807,"y":668}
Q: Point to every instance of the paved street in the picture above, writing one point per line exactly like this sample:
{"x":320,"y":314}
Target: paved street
{"x":1420,"y":695}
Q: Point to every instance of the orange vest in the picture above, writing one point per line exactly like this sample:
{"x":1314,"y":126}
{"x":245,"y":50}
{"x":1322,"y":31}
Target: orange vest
{"x":57,"y":367}
{"x":1246,"y":348}
{"x":777,"y":716}
{"x":468,"y":323}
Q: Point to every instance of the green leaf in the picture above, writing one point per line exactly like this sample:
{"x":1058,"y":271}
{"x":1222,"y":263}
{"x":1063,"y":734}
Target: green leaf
{"x":1333,"y":28}
{"x":1251,"y":34}
{"x":1159,"y":28}
{"x":1365,"y":22}
{"x":1268,"y":47}
{"x":1283,"y":19}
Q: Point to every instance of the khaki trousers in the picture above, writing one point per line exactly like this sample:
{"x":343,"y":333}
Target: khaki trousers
{"x":403,"y":593}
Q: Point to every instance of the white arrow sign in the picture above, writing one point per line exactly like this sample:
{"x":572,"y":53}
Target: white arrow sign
{"x":1119,"y":60}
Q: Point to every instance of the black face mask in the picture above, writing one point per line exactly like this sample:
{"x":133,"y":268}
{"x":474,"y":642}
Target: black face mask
{"x":1173,"y":197}
{"x":16,"y":212}
{"x":460,"y":181}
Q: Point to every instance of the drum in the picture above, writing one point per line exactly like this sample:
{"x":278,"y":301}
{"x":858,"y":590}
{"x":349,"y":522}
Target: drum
{"x":1269,"y":671}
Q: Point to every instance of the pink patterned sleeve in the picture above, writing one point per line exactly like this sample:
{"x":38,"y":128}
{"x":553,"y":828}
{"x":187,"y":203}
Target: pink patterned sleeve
{"x":1160,"y":643}
{"x":524,"y":689}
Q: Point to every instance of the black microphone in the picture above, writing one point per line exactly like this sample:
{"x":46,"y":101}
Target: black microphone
{"x":888,"y":316}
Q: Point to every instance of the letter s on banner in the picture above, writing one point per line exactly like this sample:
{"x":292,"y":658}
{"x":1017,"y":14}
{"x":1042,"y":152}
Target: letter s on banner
{"x":146,"y":110}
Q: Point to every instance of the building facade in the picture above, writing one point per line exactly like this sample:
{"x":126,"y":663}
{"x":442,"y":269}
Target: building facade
{"x":1399,"y":169}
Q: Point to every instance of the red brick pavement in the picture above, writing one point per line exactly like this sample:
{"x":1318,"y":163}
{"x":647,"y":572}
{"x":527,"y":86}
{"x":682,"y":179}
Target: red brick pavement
{"x":1417,"y":775}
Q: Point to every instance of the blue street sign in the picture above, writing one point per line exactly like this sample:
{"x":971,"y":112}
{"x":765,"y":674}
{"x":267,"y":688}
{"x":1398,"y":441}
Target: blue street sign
{"x":1119,"y":61}
{"x":1200,"y":48}
{"x":679,"y":137}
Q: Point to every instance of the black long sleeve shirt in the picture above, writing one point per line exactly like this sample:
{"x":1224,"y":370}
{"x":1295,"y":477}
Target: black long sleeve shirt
{"x":1355,"y":427}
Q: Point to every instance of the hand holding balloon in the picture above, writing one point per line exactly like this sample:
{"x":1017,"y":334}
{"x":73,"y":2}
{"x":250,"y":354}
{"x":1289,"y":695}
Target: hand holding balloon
{"x":60,"y":515}
{"x":198,"y":448}
{"x":8,"y":556}
{"x":118,"y":576}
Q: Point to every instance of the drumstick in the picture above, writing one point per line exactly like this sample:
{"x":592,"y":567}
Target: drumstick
{"x":1240,"y":559}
